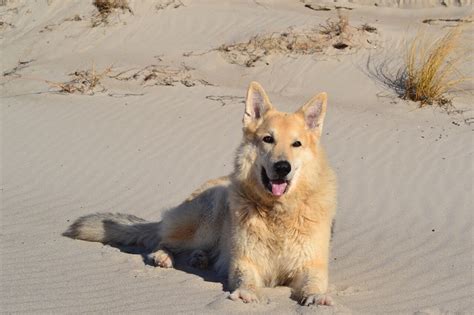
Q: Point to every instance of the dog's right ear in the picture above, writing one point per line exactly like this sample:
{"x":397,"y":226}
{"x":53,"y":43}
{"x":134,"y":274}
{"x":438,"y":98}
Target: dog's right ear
{"x":256,"y":104}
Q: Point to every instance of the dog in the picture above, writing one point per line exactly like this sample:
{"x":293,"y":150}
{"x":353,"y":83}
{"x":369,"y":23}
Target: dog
{"x":268,"y":223}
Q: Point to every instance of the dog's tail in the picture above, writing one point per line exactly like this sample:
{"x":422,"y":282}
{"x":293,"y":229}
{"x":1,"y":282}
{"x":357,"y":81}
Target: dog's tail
{"x":115,"y":229}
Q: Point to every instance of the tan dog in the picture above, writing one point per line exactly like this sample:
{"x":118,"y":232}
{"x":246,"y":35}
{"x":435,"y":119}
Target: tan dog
{"x":267,"y":224}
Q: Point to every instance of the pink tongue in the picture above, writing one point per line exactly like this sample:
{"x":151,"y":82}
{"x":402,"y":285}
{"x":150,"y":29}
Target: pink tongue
{"x":278,"y":187}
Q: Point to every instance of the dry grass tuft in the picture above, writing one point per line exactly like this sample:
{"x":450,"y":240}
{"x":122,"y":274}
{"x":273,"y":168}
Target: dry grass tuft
{"x":335,"y":28}
{"x":83,"y":82}
{"x":106,"y":7}
{"x":338,"y":34}
{"x":340,"y":30}
{"x":430,"y":69}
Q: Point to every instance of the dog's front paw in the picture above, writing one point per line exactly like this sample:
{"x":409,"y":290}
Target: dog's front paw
{"x":318,"y":299}
{"x":162,"y":258}
{"x":245,"y":295}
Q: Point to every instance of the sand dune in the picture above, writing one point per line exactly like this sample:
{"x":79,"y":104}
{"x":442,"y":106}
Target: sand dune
{"x":410,"y":4}
{"x":403,"y":239}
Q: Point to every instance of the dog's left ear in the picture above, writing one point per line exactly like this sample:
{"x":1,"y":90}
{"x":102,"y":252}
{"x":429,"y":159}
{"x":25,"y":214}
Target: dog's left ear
{"x":314,"y":111}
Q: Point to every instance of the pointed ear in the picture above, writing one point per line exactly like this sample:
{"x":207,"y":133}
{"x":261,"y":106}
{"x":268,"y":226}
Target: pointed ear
{"x":257,"y":103}
{"x":314,"y":111}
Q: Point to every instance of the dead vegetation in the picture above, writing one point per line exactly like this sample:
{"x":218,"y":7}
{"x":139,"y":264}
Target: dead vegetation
{"x":54,"y":26}
{"x":448,"y":22}
{"x":338,"y":29}
{"x":7,"y":16}
{"x":334,"y":34}
{"x":106,"y":8}
{"x":83,"y":82}
{"x":90,"y":82}
{"x":343,"y":8}
{"x":4,"y":25}
{"x":48,"y":28}
{"x":163,"y":75}
{"x":319,"y":7}
{"x":316,"y":7}
{"x":259,"y":47}
{"x":428,"y":71}
{"x":75,"y":18}
{"x":334,"y":28}
{"x":22,"y":64}
{"x":226,"y":99}
{"x":431,"y":68}
{"x":174,"y":4}
{"x":368,"y":28}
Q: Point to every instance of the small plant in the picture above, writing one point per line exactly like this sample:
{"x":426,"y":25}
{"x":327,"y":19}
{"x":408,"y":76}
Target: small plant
{"x":430,"y":70}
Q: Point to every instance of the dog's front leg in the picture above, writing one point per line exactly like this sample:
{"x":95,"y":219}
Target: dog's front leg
{"x":311,"y":283}
{"x":245,"y":281}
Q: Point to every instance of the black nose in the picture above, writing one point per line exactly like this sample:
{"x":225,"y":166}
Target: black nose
{"x":282,"y":168}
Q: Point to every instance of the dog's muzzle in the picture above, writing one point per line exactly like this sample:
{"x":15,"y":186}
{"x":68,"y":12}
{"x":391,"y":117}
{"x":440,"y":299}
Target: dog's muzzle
{"x":278,"y":186}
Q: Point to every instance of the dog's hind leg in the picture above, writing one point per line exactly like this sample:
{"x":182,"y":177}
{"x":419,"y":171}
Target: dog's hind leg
{"x":162,"y":258}
{"x":178,"y":236}
{"x":193,"y":226}
{"x":183,"y":231}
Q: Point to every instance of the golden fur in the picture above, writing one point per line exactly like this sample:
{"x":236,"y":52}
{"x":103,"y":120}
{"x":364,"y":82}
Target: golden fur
{"x":252,"y":230}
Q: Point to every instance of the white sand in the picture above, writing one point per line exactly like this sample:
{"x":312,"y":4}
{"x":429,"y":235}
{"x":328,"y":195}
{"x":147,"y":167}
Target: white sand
{"x":403,"y":241}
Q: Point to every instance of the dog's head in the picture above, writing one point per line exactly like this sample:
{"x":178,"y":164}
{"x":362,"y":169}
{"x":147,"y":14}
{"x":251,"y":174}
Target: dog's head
{"x":279,"y":148}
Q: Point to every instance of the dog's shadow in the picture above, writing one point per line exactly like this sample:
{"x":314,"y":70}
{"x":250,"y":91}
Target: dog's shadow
{"x":180,"y":263}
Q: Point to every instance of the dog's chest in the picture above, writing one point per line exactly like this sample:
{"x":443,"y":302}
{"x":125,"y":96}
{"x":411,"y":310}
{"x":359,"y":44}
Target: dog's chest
{"x":283,"y":246}
{"x":287,"y":252}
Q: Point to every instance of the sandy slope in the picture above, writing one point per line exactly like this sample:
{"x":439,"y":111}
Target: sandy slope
{"x":403,"y":241}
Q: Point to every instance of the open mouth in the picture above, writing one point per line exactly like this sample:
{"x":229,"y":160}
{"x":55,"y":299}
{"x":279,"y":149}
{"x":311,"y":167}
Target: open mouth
{"x":276,"y":186}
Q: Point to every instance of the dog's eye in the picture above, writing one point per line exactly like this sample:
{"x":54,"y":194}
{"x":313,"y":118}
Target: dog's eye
{"x":268,"y":139}
{"x":296,"y":144}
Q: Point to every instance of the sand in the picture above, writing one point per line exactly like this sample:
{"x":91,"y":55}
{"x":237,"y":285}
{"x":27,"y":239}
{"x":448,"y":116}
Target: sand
{"x":403,"y":241}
